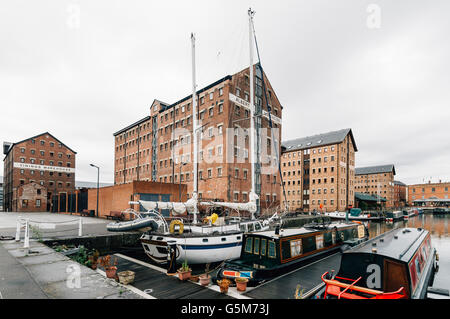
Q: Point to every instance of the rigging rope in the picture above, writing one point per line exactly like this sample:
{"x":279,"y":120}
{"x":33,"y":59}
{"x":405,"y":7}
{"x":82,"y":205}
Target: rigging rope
{"x":270,"y":117}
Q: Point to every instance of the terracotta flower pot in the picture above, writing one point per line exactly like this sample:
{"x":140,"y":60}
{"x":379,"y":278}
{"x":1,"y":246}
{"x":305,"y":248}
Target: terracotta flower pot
{"x":184,"y":275}
{"x":111,"y":272}
{"x":204,"y":280}
{"x":241,"y":284}
{"x":223,"y":284}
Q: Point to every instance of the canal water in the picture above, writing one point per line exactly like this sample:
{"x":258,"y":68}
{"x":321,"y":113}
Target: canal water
{"x":438,"y":226}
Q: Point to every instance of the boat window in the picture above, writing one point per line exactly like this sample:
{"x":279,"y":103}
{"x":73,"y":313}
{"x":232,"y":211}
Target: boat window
{"x":243,"y":228}
{"x":223,"y":239}
{"x":257,"y":226}
{"x":249,"y":245}
{"x":296,"y":247}
{"x":263,"y":247}
{"x":238,"y":237}
{"x":205,"y":240}
{"x":272,"y":249}
{"x":159,"y":238}
{"x":256,"y":246}
{"x":250,"y":227}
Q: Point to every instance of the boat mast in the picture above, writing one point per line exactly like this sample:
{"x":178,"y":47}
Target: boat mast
{"x":194,"y":127}
{"x":252,"y":105}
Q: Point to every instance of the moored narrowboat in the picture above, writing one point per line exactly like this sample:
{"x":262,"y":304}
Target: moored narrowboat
{"x":393,"y":216}
{"x":268,"y":254}
{"x":398,"y":264}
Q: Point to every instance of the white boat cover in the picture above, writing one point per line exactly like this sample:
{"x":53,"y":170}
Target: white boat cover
{"x":249,"y":206}
{"x":177,"y":208}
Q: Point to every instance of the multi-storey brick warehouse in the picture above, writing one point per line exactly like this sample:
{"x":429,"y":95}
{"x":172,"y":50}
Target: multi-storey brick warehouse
{"x":36,"y":169}
{"x":318,"y":171}
{"x":159,"y":147}
{"x":377,"y":180}
{"x":428,"y":194}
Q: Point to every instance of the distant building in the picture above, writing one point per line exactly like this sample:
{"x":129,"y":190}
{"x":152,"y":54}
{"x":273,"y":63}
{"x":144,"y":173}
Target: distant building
{"x":39,"y":172}
{"x":376,"y":180}
{"x":1,"y":193}
{"x":319,"y":171}
{"x":429,"y":194}
{"x":83,"y":184}
{"x":400,"y":194}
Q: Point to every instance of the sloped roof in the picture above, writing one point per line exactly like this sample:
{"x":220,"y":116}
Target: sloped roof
{"x":36,"y":136}
{"x":375,"y":169}
{"x":399,"y":183}
{"x":318,"y":140}
{"x":369,"y":198}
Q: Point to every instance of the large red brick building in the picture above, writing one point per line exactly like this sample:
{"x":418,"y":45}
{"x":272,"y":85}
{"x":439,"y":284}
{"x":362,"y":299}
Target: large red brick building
{"x":159,"y":147}
{"x":36,"y":171}
{"x":319,"y":171}
{"x":377,"y":180}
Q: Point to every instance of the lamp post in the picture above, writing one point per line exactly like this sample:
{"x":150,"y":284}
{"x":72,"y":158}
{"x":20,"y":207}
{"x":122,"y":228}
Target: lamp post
{"x":181,"y":165}
{"x":98,"y":178}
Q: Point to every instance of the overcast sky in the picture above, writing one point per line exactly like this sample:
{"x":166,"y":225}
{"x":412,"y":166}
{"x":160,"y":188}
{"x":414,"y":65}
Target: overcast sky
{"x":83,"y":69}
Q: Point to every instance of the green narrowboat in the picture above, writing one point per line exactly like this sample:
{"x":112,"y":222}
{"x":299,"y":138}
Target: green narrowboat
{"x":268,"y":254}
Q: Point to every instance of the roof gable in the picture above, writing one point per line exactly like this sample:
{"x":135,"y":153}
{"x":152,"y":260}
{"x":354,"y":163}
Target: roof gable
{"x":318,"y":140}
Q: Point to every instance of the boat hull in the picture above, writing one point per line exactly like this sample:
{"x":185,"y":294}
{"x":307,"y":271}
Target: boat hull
{"x":195,"y":250}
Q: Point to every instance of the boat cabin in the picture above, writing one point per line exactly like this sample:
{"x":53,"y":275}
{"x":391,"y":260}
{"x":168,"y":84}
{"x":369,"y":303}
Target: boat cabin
{"x":390,"y":216}
{"x":264,"y":254}
{"x":397,"y":264}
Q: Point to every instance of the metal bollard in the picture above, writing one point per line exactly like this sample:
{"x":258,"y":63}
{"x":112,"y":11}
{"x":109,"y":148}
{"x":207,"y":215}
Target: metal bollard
{"x":80,"y":227}
{"x":18,"y":226}
{"x":26,"y":241}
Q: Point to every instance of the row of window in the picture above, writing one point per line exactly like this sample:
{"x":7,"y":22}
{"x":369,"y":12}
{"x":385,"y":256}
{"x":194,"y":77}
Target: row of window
{"x":42,"y":142}
{"x":433,"y":189}
{"x":42,"y":162}
{"x":42,"y":152}
{"x":260,"y":246}
{"x":42,"y":173}
{"x":50,"y":183}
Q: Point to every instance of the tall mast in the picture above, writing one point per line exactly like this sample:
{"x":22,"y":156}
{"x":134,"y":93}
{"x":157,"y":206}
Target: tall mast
{"x":252,"y":104}
{"x":194,"y":127}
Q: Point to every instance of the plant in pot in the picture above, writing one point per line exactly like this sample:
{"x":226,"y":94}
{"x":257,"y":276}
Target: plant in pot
{"x":224,"y":284}
{"x":241,"y":283}
{"x":184,"y":272}
{"x":206,"y":277}
{"x":93,"y":260}
{"x":110,"y":267}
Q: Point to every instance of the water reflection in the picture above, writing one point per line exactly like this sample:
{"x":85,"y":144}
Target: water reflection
{"x":437,"y":225}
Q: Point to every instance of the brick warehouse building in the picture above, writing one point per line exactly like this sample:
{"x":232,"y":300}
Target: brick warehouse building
{"x":159,"y":147}
{"x":39,"y":173}
{"x":429,"y":194}
{"x":377,"y":180}
{"x":319,"y":170}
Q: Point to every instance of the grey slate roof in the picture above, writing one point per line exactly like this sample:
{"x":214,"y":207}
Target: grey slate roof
{"x":318,"y":140}
{"x":399,"y":183}
{"x":82,"y":184}
{"x":375,"y":169}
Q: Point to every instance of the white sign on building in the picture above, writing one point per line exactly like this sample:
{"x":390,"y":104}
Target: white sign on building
{"x":37,"y":167}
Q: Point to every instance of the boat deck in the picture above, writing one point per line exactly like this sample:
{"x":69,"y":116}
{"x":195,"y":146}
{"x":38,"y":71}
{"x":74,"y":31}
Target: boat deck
{"x":308,"y":277}
{"x":152,"y":282}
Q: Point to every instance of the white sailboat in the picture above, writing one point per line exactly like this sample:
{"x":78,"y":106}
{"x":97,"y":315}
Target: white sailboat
{"x":219,"y":239}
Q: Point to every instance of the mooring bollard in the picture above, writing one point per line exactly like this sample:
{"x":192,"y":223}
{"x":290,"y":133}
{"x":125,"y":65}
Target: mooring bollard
{"x":18,"y":226}
{"x":80,"y":227}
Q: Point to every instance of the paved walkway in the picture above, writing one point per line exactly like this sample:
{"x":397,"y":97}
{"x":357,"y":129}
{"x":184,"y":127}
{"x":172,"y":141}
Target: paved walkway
{"x":42,"y":273}
{"x":53,"y":225}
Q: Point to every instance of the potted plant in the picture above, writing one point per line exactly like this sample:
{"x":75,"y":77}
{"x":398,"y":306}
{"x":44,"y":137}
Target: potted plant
{"x":206,"y":277}
{"x":184,"y":272}
{"x":241,"y":283}
{"x":93,"y":260}
{"x":110,"y":267}
{"x":224,"y":284}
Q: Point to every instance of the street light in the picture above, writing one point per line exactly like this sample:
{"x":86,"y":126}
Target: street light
{"x":98,"y":177}
{"x":181,"y":164}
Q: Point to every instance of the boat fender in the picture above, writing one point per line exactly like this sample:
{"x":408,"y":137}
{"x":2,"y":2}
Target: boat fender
{"x":176,"y":222}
